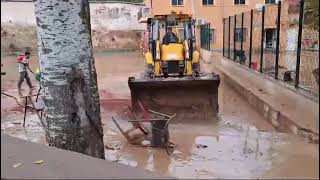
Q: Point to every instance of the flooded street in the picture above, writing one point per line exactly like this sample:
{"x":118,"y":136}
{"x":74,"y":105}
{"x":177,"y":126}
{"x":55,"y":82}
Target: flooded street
{"x":240,"y":144}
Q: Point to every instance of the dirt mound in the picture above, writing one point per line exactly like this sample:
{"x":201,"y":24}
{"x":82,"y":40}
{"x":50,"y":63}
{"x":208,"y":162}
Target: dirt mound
{"x":104,"y":39}
{"x":19,"y":38}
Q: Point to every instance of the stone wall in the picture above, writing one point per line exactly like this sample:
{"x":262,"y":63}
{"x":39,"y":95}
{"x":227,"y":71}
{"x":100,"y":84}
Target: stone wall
{"x":114,"y":25}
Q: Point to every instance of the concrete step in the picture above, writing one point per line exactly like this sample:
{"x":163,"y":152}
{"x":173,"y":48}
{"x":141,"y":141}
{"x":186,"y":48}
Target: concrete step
{"x":60,"y":164}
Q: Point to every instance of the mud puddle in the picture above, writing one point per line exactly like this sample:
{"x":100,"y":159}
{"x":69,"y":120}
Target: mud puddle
{"x":240,"y":144}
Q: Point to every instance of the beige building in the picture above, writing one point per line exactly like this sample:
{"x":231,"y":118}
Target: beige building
{"x":213,"y":12}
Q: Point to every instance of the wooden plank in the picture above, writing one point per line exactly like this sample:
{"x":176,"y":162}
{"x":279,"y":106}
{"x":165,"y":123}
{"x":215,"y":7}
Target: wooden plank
{"x":130,"y":130}
{"x":121,"y":130}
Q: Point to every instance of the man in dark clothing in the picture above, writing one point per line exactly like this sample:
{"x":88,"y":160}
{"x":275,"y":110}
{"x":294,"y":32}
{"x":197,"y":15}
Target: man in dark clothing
{"x":169,"y":37}
{"x":23,"y":62}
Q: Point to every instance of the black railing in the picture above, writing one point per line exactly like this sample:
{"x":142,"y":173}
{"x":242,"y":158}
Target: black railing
{"x":284,"y":45}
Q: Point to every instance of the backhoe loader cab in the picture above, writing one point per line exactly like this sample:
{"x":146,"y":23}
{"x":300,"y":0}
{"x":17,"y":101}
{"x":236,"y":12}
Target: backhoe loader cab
{"x":172,"y":82}
{"x":177,"y":56}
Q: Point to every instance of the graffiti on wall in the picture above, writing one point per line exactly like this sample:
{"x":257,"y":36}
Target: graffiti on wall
{"x":116,"y":16}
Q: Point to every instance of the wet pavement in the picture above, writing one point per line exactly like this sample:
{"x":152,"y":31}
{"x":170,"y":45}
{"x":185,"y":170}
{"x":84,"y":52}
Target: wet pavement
{"x":240,"y":144}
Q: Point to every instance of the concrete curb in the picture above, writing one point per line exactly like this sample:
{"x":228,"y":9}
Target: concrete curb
{"x":205,"y":56}
{"x":60,"y":164}
{"x":279,"y":120}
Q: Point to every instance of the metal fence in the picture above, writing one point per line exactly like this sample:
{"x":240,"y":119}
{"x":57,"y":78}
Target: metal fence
{"x":280,"y":40}
{"x":205,"y":36}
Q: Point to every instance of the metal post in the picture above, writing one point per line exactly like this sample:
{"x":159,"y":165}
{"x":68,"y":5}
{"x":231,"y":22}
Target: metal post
{"x":201,"y":36}
{"x":223,"y":38}
{"x":229,"y":38}
{"x":206,"y":37}
{"x":25,"y":111}
{"x":201,"y":32}
{"x":241,"y":46}
{"x":234,"y":38}
{"x":209,"y":33}
{"x":278,"y":41}
{"x":262,"y":39}
{"x":38,"y":93}
{"x":250,"y":48}
{"x":299,"y":44}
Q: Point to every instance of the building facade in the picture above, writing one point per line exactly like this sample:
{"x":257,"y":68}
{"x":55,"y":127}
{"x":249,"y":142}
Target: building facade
{"x":113,"y":25}
{"x":213,"y":12}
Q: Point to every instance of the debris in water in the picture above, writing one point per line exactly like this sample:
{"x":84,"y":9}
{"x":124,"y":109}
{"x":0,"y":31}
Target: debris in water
{"x":202,"y":172}
{"x":112,"y":148}
{"x":145,"y":142}
{"x":16,"y":122}
{"x":201,"y":146}
{"x":38,"y":162}
{"x":106,"y":146}
{"x":156,"y":139}
{"x":17,"y":165}
{"x":161,"y":114}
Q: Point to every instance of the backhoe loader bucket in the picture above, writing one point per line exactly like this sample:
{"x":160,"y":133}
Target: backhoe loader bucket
{"x":190,"y":98}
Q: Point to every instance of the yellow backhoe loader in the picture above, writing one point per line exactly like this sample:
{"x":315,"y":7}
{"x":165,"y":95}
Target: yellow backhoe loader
{"x":172,"y":82}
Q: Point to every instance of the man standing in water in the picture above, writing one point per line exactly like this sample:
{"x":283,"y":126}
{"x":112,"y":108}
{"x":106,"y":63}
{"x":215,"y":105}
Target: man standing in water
{"x":23,"y":62}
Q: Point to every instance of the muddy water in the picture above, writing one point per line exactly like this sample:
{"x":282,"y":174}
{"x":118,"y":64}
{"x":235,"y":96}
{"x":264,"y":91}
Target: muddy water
{"x":241,"y":144}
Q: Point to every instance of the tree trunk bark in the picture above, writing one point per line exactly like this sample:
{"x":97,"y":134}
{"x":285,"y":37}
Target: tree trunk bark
{"x":69,"y":82}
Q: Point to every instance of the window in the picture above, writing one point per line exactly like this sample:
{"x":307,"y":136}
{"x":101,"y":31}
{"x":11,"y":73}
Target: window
{"x":239,"y":2}
{"x":176,"y":2}
{"x":146,"y":10}
{"x":270,"y":1}
{"x":212,"y":35}
{"x":271,"y":38}
{"x":207,"y":2}
{"x":238,"y":34}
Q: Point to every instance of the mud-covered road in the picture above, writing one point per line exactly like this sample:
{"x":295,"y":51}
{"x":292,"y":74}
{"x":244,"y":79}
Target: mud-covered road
{"x":240,"y":144}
